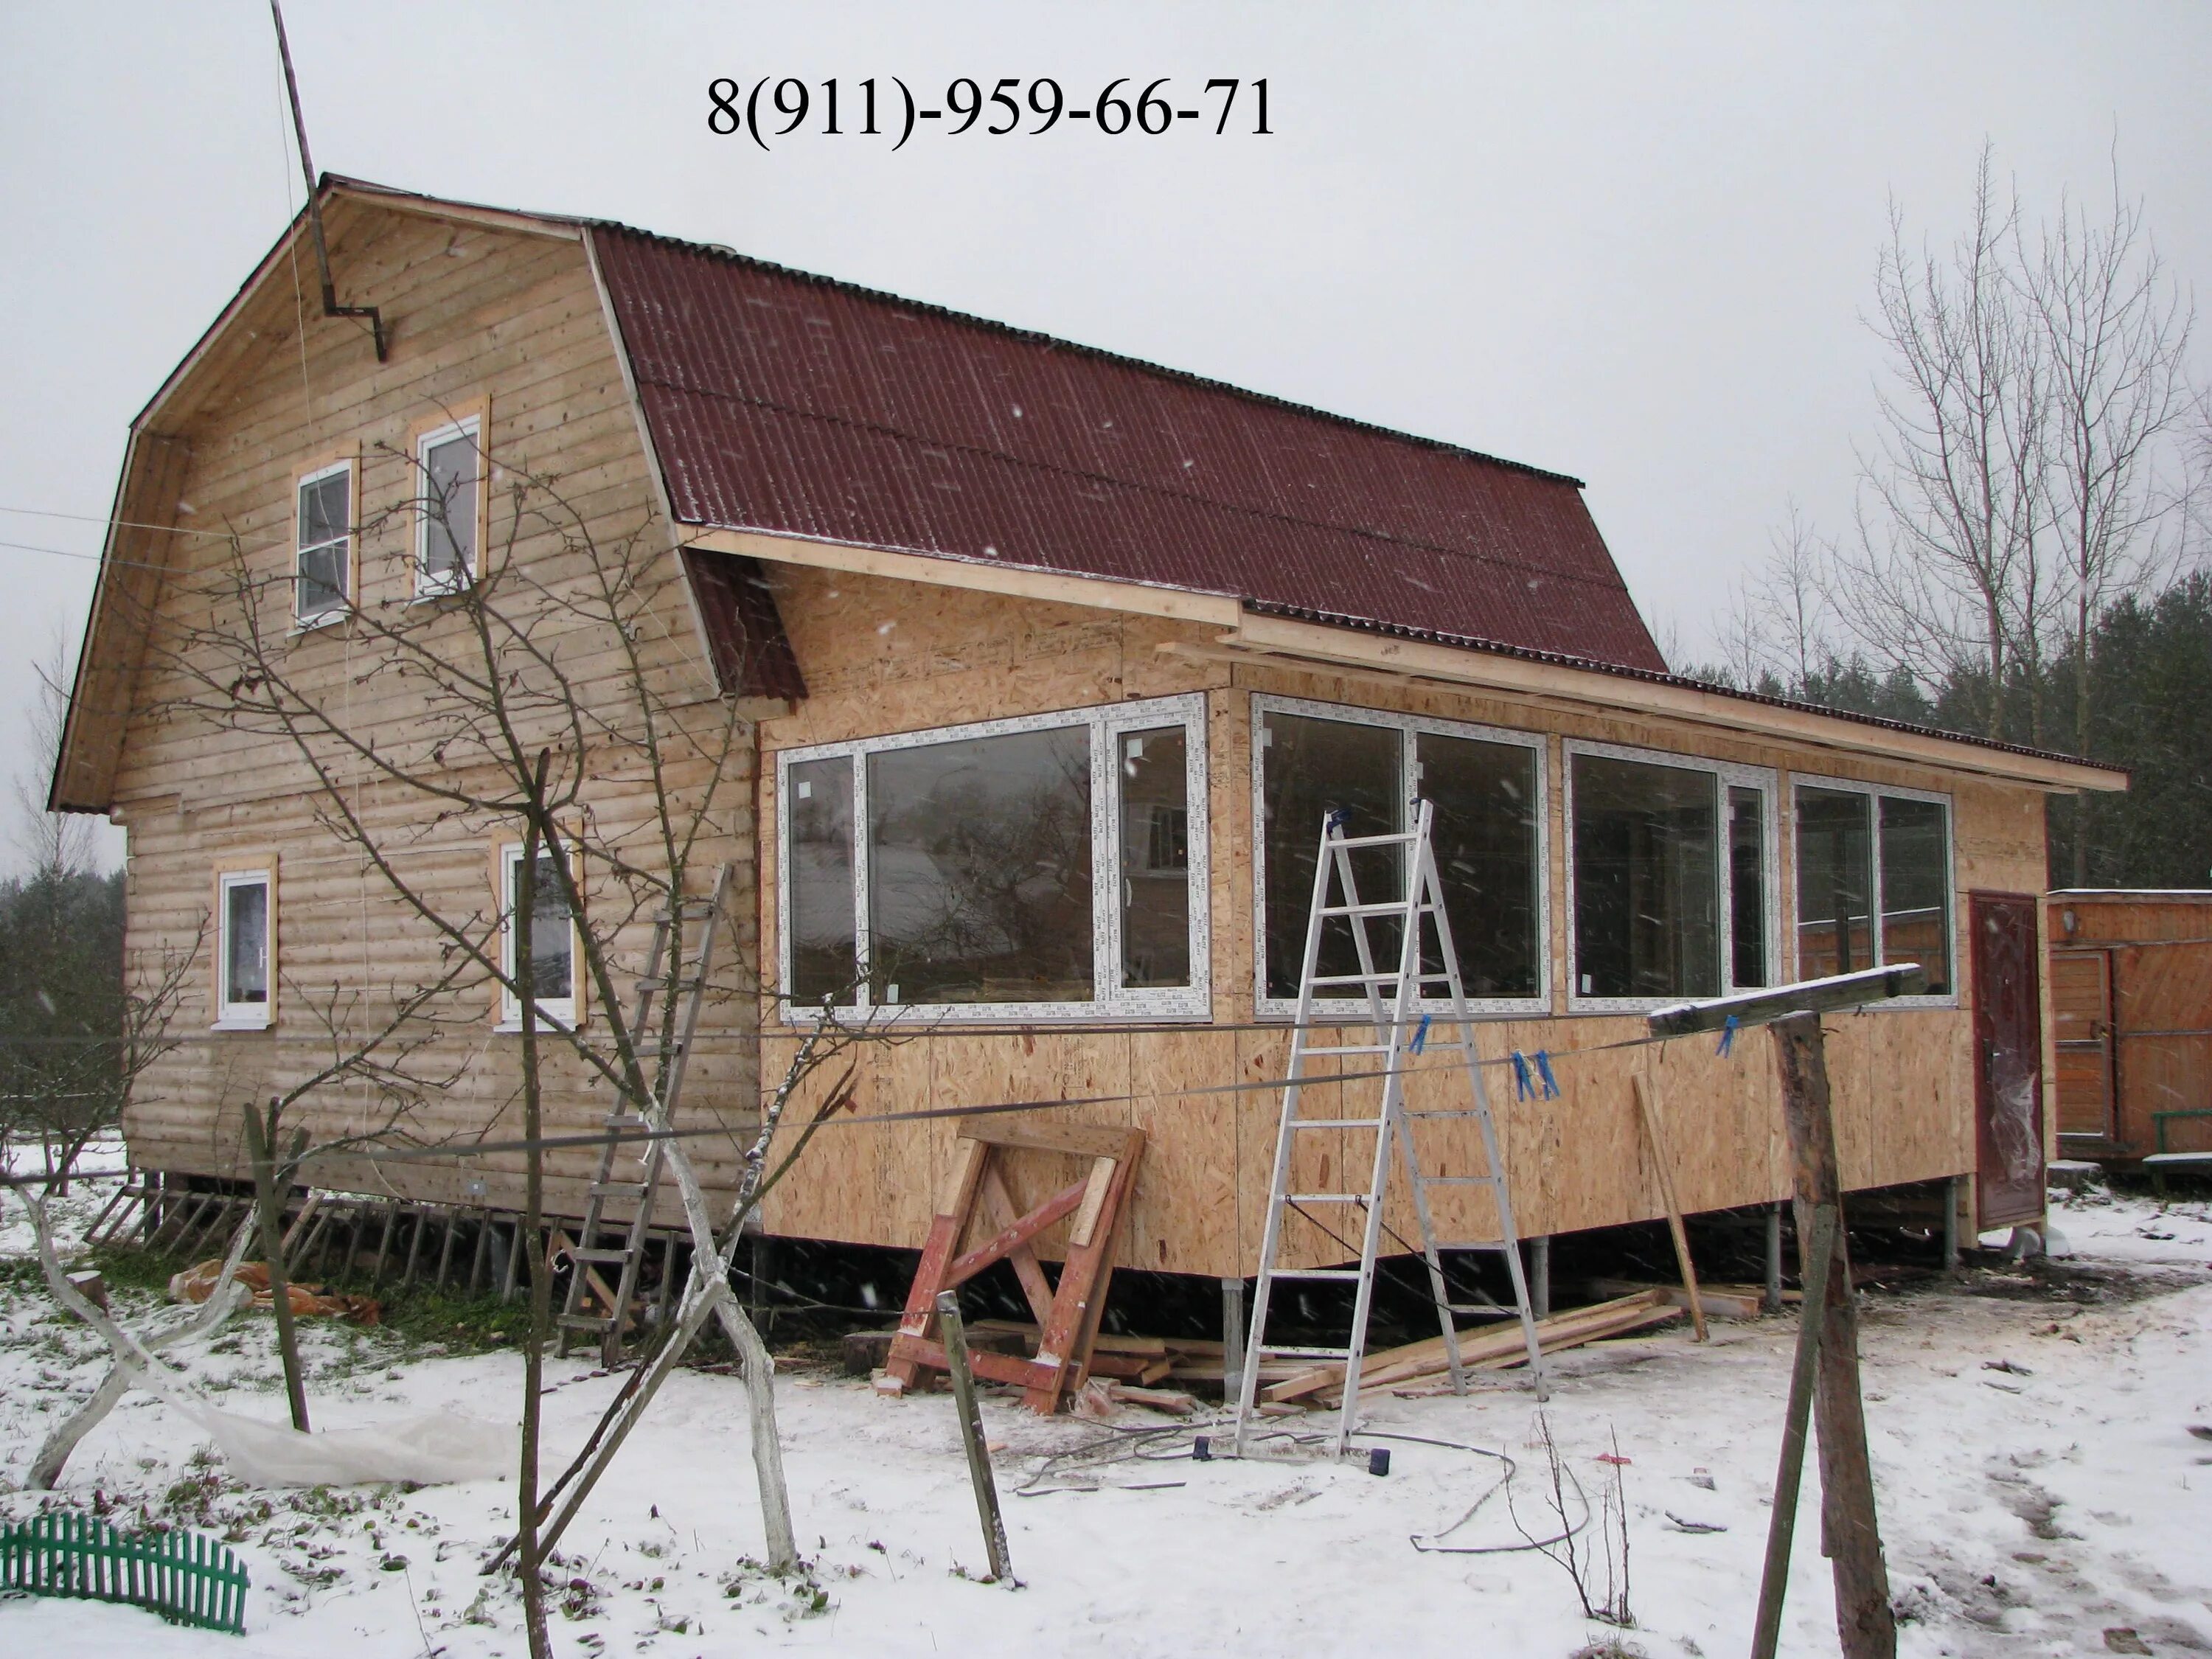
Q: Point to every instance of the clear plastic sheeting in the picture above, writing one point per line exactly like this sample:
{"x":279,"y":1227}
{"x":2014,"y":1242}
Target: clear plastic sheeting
{"x":435,"y":1448}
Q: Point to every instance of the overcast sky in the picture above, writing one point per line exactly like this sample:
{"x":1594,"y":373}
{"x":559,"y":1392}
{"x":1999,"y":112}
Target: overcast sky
{"x":1634,"y":244}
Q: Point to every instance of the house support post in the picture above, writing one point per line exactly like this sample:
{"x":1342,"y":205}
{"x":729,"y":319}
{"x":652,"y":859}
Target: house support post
{"x":1540,"y":1276}
{"x":1772,"y":1302}
{"x":1232,"y":1337}
{"x":1850,"y":1536}
{"x":1951,"y":1195}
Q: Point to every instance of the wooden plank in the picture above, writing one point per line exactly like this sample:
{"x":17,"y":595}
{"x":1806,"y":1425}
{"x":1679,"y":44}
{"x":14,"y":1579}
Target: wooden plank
{"x":999,"y":1213}
{"x":1081,"y":1139}
{"x":1663,"y":1161}
{"x":1094,"y":1202}
{"x":1012,"y":1238}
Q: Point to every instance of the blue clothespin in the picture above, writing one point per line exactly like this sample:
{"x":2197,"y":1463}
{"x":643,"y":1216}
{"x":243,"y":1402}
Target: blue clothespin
{"x":1420,"y":1034}
{"x":1728,"y":1037}
{"x":1336,"y":819}
{"x":1544,"y":1070}
{"x":1522,"y":1088}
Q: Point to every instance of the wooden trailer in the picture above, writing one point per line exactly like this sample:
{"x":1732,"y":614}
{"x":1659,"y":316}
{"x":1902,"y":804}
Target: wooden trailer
{"x":1048,"y":664}
{"x":2131,"y":1017}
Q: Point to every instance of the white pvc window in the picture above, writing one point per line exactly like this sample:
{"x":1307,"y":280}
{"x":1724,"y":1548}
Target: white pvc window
{"x":1874,"y":882}
{"x":245,"y":950}
{"x":552,"y":940}
{"x":448,"y":463}
{"x":1488,"y":788}
{"x":322,"y":576}
{"x":1053,"y":867}
{"x":1671,"y":878}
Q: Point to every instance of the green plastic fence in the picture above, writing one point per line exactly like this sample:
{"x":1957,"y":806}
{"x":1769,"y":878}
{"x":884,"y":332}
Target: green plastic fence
{"x":186,"y":1578}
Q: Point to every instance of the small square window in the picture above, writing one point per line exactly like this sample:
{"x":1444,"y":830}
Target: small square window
{"x":244,"y":953}
{"x":552,"y":939}
{"x":324,"y":575}
{"x":448,"y":465}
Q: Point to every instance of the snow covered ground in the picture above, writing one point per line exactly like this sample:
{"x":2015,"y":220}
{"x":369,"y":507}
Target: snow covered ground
{"x":2026,"y":1510}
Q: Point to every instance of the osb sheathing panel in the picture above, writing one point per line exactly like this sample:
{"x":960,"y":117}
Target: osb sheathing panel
{"x":883,"y":657}
{"x":476,"y":316}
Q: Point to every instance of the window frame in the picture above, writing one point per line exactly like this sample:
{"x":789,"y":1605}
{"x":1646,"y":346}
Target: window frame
{"x":1767,"y":780}
{"x":471,"y":425}
{"x":1408,"y":726}
{"x":244,"y":1016}
{"x":1105,"y":723}
{"x":1875,"y":791}
{"x":350,"y":566}
{"x":565,"y":1013}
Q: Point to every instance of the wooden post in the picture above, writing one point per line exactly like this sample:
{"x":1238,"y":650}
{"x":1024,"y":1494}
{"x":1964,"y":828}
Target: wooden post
{"x":1665,"y":1165}
{"x":1540,"y":1276}
{"x":971,"y":1435}
{"x":1232,"y":1337}
{"x":1850,"y":1533}
{"x":1951,"y":1192}
{"x":1772,"y":1302}
{"x":1790,"y":1476}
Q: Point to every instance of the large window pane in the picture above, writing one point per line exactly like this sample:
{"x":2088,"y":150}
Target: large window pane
{"x":820,"y":809}
{"x":1312,"y":767}
{"x":245,"y":942}
{"x":1485,"y":841}
{"x":1647,"y":896}
{"x":1746,"y":888}
{"x":980,"y":866}
{"x":1155,"y":787}
{"x":1916,"y":887}
{"x":1835,"y":882}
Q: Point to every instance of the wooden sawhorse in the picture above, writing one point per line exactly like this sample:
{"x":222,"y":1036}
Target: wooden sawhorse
{"x":1067,"y":1314}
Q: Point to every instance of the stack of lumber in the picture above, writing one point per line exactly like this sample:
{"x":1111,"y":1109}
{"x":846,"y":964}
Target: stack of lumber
{"x":1720,"y":1301}
{"x":1488,"y":1347}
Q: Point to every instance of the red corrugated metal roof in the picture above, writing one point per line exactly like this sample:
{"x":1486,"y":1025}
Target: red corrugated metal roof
{"x":793,"y":404}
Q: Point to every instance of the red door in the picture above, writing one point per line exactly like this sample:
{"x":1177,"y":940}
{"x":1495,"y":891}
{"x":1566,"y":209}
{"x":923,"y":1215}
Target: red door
{"x":2009,"y":1061}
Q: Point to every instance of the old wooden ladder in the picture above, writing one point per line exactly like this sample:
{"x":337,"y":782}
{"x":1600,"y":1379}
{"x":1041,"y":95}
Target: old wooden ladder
{"x":676,"y":967}
{"x":1406,"y":1024}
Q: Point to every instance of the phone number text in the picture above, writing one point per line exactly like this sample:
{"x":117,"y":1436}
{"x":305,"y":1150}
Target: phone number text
{"x":773,"y":108}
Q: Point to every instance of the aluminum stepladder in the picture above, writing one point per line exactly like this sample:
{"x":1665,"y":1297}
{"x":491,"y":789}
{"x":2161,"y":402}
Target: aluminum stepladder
{"x":675,"y":970}
{"x":1401,"y":1032}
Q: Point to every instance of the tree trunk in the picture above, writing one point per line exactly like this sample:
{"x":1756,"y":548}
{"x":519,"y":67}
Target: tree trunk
{"x":269,"y":1204}
{"x":533,"y":1216}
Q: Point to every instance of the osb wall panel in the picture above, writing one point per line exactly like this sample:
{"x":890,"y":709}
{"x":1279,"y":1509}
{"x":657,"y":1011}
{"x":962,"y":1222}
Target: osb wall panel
{"x":513,"y":322}
{"x":882,"y":656}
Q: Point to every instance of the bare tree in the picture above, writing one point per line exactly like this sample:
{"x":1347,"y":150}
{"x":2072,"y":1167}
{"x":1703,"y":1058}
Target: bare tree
{"x":1951,"y":573}
{"x":552,"y":694}
{"x":2115,"y":332}
{"x":55,"y":844}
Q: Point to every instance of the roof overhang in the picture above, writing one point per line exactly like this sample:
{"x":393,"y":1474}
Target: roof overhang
{"x":1253,"y":637}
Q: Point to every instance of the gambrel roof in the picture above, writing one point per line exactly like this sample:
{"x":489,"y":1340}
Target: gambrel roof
{"x":795,"y":405}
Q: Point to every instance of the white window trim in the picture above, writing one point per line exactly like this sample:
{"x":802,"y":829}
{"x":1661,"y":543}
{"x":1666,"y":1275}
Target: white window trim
{"x":1875,"y":791}
{"x":1106,"y":724}
{"x":344,"y":608}
{"x":244,"y":1015}
{"x":1766,"y":781}
{"x":428,"y":587}
{"x":558,"y":1012}
{"x":1345,"y":1008}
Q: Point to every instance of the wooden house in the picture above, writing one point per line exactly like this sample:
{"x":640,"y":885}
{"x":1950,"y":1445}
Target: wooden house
{"x":1050,"y":663}
{"x":2131,"y":1013}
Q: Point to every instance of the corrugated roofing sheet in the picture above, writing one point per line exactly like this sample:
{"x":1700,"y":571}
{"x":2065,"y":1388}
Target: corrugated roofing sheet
{"x":789,"y":403}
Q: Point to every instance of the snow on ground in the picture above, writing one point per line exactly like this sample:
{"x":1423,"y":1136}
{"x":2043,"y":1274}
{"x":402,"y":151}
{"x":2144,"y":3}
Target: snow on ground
{"x":2026,"y":1510}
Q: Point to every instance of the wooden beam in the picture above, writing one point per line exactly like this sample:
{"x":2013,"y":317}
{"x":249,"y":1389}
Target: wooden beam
{"x":1785,"y":1001}
{"x":1852,"y":1535}
{"x":982,"y":575}
{"x":1664,"y":1162}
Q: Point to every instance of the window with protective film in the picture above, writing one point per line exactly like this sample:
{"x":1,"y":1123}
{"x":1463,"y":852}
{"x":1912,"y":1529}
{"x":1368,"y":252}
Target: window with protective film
{"x":1873,"y":881}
